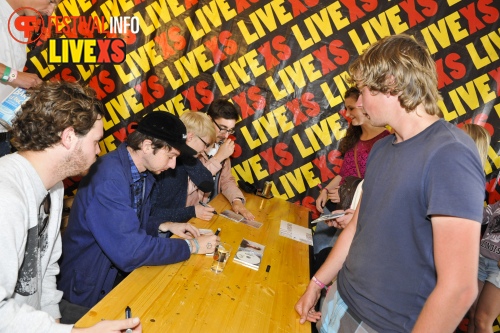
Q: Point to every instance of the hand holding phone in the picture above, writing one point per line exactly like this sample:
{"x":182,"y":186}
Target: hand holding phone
{"x":328,"y":217}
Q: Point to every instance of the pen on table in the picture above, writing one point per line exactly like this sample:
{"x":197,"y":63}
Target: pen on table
{"x":205,"y":205}
{"x":128,"y":314}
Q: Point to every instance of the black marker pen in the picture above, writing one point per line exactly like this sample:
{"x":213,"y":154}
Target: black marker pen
{"x":205,"y":205}
{"x":128,"y":314}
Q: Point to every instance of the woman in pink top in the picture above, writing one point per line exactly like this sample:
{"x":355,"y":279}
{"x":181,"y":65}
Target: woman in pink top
{"x":355,"y":147}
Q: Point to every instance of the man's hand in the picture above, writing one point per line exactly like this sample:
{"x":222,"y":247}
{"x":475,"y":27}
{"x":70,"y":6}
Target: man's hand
{"x":207,"y":243}
{"x":342,"y":221}
{"x":239,"y":208}
{"x":26,"y":80}
{"x":204,"y":213}
{"x":305,"y":305}
{"x":183,"y":230}
{"x":112,"y":326}
{"x":226,"y":149}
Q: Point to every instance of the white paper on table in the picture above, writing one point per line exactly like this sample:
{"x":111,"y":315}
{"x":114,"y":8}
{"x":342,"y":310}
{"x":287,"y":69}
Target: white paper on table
{"x":296,"y":232}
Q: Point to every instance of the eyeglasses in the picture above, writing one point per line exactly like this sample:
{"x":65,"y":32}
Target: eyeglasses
{"x":224,"y":129}
{"x":206,"y":144}
{"x":46,"y":209}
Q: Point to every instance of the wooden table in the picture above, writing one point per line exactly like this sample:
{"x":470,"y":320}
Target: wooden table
{"x":189,"y":297}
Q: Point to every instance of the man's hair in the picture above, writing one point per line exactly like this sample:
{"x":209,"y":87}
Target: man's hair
{"x":51,"y":108}
{"x":481,"y":138}
{"x":222,"y":108}
{"x":403,"y":67}
{"x":136,"y":138}
{"x":199,"y":124}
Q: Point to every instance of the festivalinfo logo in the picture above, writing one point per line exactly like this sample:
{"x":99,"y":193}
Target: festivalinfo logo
{"x":75,"y":50}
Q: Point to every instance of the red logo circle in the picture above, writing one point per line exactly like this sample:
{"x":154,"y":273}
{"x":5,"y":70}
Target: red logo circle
{"x":28,"y":24}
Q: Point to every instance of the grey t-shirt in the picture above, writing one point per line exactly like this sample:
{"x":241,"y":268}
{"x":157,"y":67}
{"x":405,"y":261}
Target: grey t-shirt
{"x":28,"y":260}
{"x":389,"y":271}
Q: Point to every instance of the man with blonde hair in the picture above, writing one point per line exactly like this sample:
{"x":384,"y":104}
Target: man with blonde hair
{"x":174,"y":186}
{"x":408,"y":259}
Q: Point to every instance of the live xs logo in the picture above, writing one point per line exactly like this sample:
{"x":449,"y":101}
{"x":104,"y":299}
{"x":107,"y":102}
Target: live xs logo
{"x":72,"y":50}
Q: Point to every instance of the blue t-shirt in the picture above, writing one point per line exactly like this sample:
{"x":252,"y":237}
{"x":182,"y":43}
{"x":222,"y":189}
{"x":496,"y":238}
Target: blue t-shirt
{"x":389,"y":271}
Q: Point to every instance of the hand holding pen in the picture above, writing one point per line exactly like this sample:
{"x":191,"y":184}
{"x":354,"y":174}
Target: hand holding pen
{"x":208,"y":206}
{"x":128,"y":314}
{"x":128,"y":325}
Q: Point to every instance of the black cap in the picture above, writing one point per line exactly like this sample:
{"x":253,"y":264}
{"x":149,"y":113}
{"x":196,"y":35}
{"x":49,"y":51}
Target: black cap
{"x":167,"y":127}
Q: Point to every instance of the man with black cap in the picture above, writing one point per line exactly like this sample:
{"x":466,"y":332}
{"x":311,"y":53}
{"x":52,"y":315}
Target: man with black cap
{"x":110,"y":232}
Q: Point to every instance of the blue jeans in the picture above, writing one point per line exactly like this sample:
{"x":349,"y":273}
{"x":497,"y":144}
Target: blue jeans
{"x":336,"y":317}
{"x":489,"y":271}
{"x":324,"y":236}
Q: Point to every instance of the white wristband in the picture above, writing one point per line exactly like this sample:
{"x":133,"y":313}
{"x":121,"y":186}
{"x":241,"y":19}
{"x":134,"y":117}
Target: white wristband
{"x":12,"y":75}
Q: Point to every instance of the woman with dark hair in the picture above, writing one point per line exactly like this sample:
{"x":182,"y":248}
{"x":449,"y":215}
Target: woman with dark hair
{"x":355,"y":147}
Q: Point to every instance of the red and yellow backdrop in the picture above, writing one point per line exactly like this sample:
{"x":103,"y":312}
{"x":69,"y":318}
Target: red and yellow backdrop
{"x":284,"y":65}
